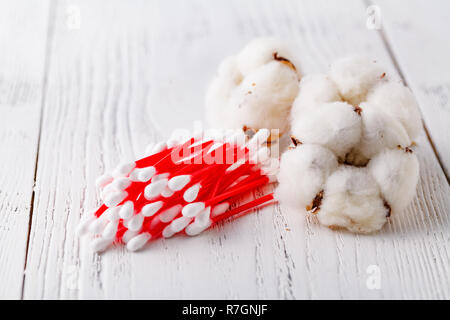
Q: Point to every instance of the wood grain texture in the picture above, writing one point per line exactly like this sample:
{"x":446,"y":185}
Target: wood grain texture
{"x":424,"y":27}
{"x":134,"y":71}
{"x":23,"y":34}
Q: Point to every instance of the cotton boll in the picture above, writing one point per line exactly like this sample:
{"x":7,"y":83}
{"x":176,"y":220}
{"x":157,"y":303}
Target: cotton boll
{"x":398,"y":101}
{"x":315,"y":89}
{"x":396,"y":172}
{"x":333,"y":125}
{"x":261,"y":51}
{"x":380,"y":131}
{"x":219,"y":93}
{"x":303,"y":172}
{"x":254,"y":89}
{"x":355,"y":76}
{"x":352,"y":200}
{"x":264,"y":98}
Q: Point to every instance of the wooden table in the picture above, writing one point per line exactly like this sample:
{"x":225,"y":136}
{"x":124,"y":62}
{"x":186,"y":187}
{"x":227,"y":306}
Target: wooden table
{"x":85,"y":84}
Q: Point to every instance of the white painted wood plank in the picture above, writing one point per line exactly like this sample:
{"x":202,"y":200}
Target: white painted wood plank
{"x":419,"y":37}
{"x":23,"y":26}
{"x":136,"y":70}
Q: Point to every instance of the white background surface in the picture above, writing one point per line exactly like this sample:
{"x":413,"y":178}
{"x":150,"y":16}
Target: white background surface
{"x":84,"y":84}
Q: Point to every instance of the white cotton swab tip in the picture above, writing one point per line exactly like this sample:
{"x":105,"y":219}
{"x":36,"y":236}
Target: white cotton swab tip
{"x":121,"y":183}
{"x":154,"y":189}
{"x":191,"y":193}
{"x":192,"y":209}
{"x":167,"y":192}
{"x":179,"y":182}
{"x":168,"y":232}
{"x":150,"y":209}
{"x":112,"y":214}
{"x":169,"y":214}
{"x":194,"y":229}
{"x":126,"y":210}
{"x":138,"y":241}
{"x":124,"y":169}
{"x":135,"y":223}
{"x":85,"y":222}
{"x":180,"y":223}
{"x":128,"y":235}
{"x":97,"y":226}
{"x":110,"y":230}
{"x":220,"y":209}
{"x":114,"y":198}
{"x":100,"y":244}
{"x":146,"y":174}
{"x":103,"y":180}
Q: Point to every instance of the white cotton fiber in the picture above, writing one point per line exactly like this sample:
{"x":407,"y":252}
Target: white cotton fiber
{"x":315,"y":89}
{"x":365,"y":121}
{"x":333,"y":125}
{"x":264,"y":98}
{"x":261,"y":51}
{"x":352,"y":200}
{"x":255,"y":88}
{"x":380,"y":131}
{"x":397,"y":173}
{"x":398,"y":101}
{"x":303,"y":172}
{"x":355,"y":76}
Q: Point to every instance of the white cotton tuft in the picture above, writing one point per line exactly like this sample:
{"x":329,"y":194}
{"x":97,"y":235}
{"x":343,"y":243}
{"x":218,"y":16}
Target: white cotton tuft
{"x":333,"y":125}
{"x":355,"y":76}
{"x":352,"y":200}
{"x":397,"y":173}
{"x":255,"y":89}
{"x":303,"y":173}
{"x":398,"y":101}
{"x":369,"y":123}
{"x":219,"y":92}
{"x":260,"y":51}
{"x":314,"y":89}
{"x":264,"y":97}
{"x":380,"y":131}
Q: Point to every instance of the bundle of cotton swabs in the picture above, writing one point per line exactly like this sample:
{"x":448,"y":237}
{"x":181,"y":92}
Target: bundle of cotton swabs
{"x":180,"y":187}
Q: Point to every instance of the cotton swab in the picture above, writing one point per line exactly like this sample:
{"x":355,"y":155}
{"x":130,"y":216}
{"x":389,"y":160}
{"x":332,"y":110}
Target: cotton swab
{"x":178,"y":187}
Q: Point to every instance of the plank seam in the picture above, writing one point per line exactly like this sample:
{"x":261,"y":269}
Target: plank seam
{"x":49,"y":40}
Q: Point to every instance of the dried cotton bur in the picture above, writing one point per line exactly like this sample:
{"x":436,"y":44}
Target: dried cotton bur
{"x":179,"y":187}
{"x":255,"y":88}
{"x":353,"y":163}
